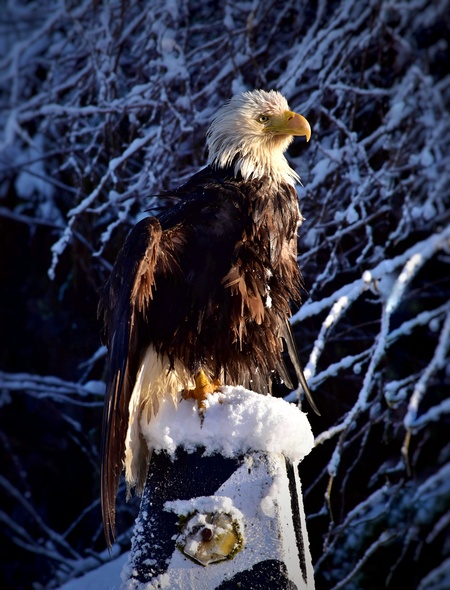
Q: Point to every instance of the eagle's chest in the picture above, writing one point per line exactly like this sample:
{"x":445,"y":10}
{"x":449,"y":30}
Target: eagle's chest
{"x":237,"y":271}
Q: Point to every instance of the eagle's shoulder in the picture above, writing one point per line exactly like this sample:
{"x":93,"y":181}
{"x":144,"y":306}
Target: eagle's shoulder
{"x":209,"y":199}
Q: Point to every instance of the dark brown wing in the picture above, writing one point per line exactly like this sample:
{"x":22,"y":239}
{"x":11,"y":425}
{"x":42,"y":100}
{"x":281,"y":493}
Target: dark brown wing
{"x":122,"y":303}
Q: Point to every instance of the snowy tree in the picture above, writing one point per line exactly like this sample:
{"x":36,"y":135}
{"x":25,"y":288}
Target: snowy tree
{"x":106,"y":103}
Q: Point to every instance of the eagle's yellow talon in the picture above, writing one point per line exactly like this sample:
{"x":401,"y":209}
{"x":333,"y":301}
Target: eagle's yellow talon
{"x":203,"y":387}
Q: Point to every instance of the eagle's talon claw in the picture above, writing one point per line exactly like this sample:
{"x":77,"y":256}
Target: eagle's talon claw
{"x":203,"y":387}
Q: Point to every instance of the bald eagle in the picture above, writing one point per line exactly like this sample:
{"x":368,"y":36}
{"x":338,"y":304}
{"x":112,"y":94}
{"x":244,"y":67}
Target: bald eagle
{"x":205,"y":289}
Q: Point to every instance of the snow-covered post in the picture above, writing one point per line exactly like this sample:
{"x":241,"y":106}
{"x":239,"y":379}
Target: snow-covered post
{"x":222,"y":506}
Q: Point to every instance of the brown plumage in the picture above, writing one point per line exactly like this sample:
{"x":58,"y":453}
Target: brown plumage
{"x":206,"y":285}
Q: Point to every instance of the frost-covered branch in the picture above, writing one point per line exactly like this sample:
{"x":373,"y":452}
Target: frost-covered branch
{"x":90,"y":394}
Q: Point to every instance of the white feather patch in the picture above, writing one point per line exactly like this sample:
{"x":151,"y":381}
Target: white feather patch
{"x":155,"y":381}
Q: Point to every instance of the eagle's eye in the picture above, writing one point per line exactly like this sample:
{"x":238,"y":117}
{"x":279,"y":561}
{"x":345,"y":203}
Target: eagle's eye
{"x":263,"y":118}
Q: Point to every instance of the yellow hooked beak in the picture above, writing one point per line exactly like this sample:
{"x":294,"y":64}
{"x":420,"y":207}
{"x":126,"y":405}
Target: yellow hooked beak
{"x":289,"y":123}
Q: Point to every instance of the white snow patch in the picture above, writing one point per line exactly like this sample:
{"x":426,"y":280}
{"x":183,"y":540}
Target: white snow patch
{"x":203,"y":504}
{"x":236,"y":421}
{"x":351,"y":215}
{"x":270,"y":502}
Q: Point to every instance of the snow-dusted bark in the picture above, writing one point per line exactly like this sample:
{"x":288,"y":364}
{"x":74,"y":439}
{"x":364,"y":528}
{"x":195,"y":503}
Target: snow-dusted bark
{"x":103,"y":105}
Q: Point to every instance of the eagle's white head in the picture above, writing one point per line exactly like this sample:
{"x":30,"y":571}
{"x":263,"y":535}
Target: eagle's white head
{"x":252,"y":131}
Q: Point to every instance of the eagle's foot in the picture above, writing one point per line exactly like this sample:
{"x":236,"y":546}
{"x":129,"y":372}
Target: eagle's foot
{"x":203,"y":387}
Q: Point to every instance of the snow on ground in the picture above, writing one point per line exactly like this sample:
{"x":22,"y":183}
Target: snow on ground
{"x":106,"y":577}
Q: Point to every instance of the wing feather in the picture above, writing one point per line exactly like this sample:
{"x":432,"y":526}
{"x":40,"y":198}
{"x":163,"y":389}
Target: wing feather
{"x":123,"y":303}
